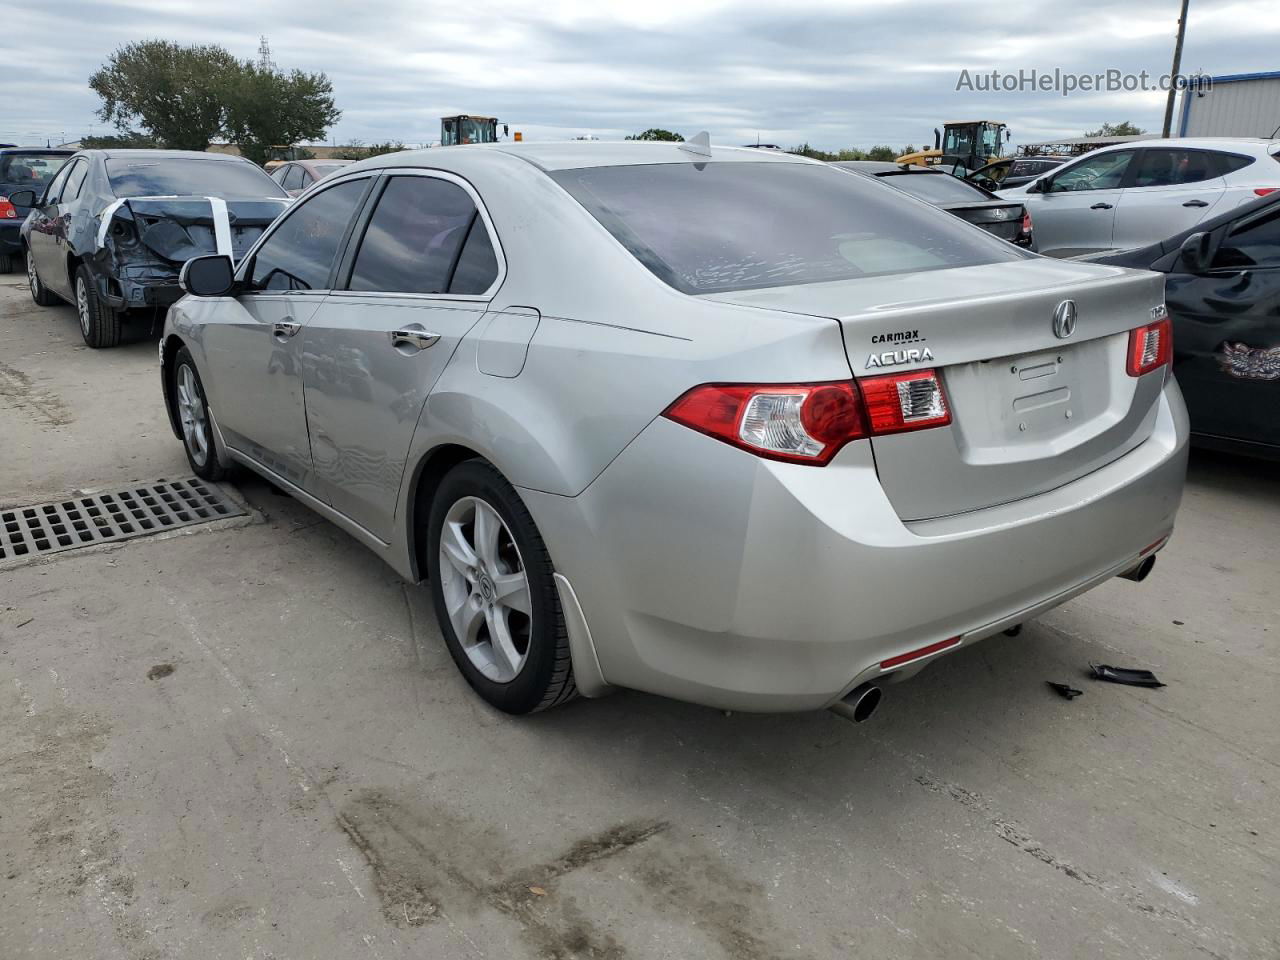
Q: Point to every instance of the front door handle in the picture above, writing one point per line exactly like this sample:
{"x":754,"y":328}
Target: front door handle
{"x":418,"y":339}
{"x":1101,"y":206}
{"x":1195,"y":203}
{"x":284,"y":329}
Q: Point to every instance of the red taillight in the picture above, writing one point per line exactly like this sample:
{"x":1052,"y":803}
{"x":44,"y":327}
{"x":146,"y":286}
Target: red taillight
{"x":1263,"y":191}
{"x":809,"y":422}
{"x":1026,"y":223}
{"x":1150,"y":347}
{"x":7,"y":210}
{"x":800,"y":423}
{"x":905,"y":401}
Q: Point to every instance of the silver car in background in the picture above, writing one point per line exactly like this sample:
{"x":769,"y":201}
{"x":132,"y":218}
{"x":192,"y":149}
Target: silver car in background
{"x":718,"y":424}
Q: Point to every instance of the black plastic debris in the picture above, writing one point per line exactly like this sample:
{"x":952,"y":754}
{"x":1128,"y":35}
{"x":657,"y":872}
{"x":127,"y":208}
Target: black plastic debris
{"x":1065,"y":690}
{"x":1134,"y":678}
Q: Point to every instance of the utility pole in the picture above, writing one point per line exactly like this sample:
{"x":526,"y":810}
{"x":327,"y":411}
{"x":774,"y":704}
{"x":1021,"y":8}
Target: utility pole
{"x":1173,"y":74}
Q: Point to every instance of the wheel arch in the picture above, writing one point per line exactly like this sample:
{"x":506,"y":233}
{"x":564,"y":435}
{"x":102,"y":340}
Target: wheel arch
{"x":429,"y":470}
{"x":170,"y":344}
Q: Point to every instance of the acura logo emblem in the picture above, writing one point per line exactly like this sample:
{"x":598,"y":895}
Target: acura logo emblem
{"x":1064,"y":319}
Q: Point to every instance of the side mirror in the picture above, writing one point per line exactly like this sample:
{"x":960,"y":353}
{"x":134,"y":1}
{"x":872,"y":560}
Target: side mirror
{"x":1196,"y":253}
{"x":1041,"y":186}
{"x":211,"y":276}
{"x":23,"y":198}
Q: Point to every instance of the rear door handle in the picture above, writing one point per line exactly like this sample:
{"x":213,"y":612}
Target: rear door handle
{"x":1195,"y":203}
{"x":284,"y":329}
{"x":418,"y":339}
{"x":1101,"y":206}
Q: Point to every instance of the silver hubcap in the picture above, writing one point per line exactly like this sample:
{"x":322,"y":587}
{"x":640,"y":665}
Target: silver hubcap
{"x":486,"y":589}
{"x":195,"y":421}
{"x":32,"y":278}
{"x":82,"y":305}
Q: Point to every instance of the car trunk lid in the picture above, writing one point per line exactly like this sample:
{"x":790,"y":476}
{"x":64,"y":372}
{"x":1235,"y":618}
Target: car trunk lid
{"x":1031,"y":411}
{"x":999,"y":217}
{"x":179,"y":228}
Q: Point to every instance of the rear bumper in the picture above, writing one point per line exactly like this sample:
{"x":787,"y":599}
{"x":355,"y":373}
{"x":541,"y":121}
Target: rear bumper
{"x":125,"y":294}
{"x":11,"y":237}
{"x":709,"y":575}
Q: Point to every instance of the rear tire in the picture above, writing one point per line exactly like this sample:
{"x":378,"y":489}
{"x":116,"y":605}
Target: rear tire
{"x":198,"y":436}
{"x":99,"y":324}
{"x":39,"y":292}
{"x":6,"y":263}
{"x":494,"y":592}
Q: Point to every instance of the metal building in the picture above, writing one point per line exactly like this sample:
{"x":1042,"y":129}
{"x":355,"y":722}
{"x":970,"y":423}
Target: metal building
{"x":1243,"y":105}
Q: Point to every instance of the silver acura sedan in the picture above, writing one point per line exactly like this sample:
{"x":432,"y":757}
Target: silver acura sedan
{"x":718,"y":424}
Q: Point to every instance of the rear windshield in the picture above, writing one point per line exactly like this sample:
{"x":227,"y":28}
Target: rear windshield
{"x":715,"y":227}
{"x":185,"y":178}
{"x":935,"y":187}
{"x":31,"y":170}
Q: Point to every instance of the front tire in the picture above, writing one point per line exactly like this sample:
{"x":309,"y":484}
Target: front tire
{"x":494,"y":592}
{"x":193,"y":416}
{"x":99,"y":324}
{"x":39,"y":292}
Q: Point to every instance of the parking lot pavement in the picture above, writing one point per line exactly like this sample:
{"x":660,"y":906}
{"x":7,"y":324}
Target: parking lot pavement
{"x":251,"y":742}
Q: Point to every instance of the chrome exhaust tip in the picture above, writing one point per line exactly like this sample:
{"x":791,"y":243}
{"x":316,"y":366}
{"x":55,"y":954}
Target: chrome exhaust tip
{"x":1139,"y":573}
{"x":858,"y":704}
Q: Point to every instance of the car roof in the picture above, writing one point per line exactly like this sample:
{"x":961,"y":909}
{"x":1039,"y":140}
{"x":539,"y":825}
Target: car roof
{"x":1255,"y":145}
{"x":885,"y":166}
{"x":137,"y":154}
{"x":574,"y":154}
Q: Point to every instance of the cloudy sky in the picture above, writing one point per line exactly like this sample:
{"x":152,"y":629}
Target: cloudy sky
{"x":834,"y":74}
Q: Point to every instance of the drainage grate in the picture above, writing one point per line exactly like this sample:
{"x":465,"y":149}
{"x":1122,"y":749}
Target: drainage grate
{"x":42,"y":528}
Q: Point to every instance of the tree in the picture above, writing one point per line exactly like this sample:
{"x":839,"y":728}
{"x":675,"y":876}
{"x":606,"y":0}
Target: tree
{"x":130,"y":140}
{"x":266,"y":108}
{"x":657,"y":133}
{"x":183,"y":97}
{"x":356,"y":150}
{"x":174,"y":93}
{"x":1122,"y":129}
{"x":881,"y":152}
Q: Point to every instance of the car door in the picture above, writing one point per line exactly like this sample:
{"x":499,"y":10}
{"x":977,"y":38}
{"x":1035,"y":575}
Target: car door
{"x":48,"y":236}
{"x":1075,"y":214}
{"x":1226,"y":335}
{"x":1170,"y":190}
{"x":254,"y":352}
{"x":417,"y":278}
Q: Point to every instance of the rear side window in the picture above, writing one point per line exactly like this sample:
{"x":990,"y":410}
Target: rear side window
{"x":414,"y":242}
{"x":1169,"y":168}
{"x":299,"y":254}
{"x":75,"y":180}
{"x":714,"y":227}
{"x":1231,"y":162}
{"x":1255,"y":244}
{"x":293,"y":179}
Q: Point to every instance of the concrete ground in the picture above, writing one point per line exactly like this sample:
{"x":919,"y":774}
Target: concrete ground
{"x":251,"y":742}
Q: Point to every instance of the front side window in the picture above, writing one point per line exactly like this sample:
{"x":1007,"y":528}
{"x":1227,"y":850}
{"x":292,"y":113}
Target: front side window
{"x":1103,"y":171}
{"x":1254,"y":244}
{"x":185,"y":177}
{"x":300,"y":253}
{"x":1169,"y":168}
{"x":415,"y":239}
{"x":715,"y":227}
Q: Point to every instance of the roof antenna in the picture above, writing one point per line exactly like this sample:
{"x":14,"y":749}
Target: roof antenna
{"x":699,"y":145}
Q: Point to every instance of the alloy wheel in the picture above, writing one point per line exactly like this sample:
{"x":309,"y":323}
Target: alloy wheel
{"x":486,"y":589}
{"x":33,"y":279}
{"x":82,"y":306}
{"x":192,"y":415}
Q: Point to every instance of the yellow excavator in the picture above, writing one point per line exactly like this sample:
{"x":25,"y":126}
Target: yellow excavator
{"x":970,"y":144}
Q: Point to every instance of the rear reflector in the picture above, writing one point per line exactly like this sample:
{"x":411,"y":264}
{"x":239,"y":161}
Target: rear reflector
{"x":809,"y":422}
{"x":1263,"y":191}
{"x":905,"y":401}
{"x":1154,"y":546}
{"x":902,"y":658}
{"x":1150,"y":347}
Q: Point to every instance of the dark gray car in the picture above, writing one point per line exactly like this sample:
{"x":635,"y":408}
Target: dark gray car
{"x":1006,"y":219}
{"x":110,"y":232}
